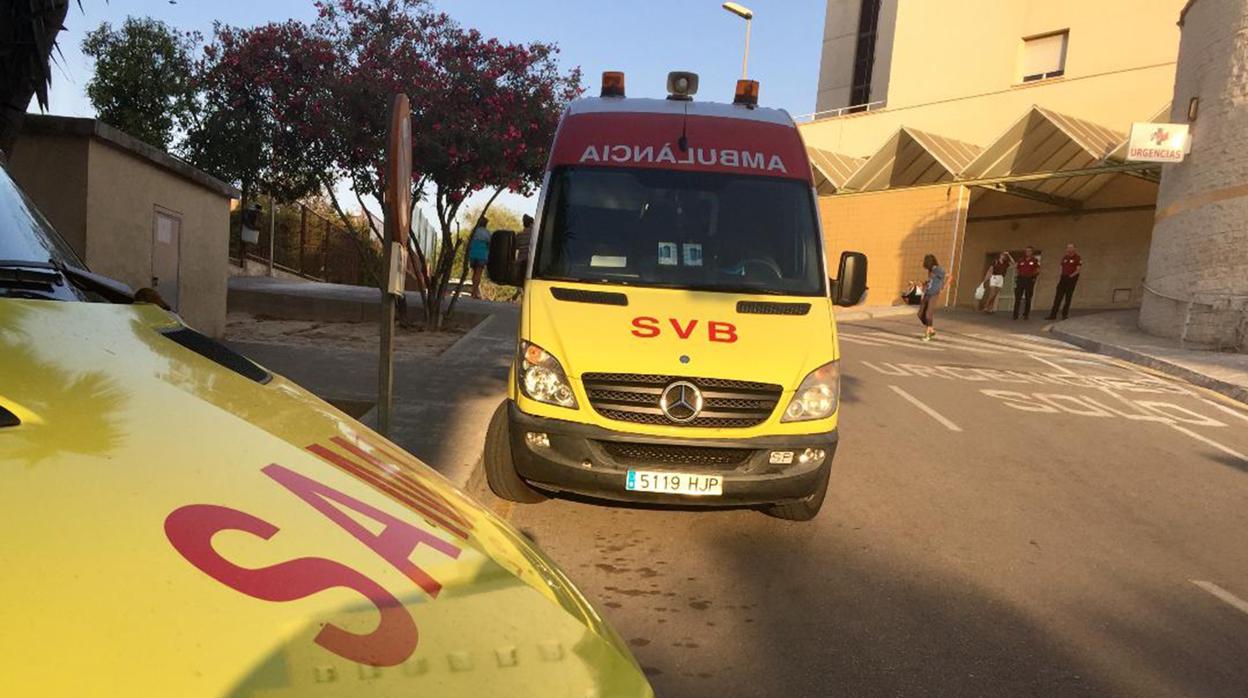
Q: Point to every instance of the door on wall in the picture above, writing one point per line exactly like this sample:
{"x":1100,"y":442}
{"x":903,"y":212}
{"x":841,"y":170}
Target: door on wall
{"x":166,"y":238}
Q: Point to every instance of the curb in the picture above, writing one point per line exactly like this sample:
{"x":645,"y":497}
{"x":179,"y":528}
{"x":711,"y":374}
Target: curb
{"x":872,"y":313}
{"x":1236,"y":392}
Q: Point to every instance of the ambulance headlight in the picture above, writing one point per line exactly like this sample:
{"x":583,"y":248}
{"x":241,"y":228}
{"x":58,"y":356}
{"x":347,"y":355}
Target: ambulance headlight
{"x":541,"y":377}
{"x":818,"y":395}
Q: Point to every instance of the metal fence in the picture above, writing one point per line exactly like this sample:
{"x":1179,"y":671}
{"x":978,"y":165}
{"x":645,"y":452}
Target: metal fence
{"x":298,"y":240}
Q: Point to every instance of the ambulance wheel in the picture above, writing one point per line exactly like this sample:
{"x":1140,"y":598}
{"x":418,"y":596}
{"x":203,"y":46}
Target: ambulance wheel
{"x":803,"y":509}
{"x":500,"y":467}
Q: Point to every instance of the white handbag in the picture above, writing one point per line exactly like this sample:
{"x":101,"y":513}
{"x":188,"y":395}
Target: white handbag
{"x":979,"y":292}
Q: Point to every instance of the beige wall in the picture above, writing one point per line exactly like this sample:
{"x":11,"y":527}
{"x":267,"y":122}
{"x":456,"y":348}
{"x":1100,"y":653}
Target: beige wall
{"x":123,"y":194}
{"x":1112,"y":236}
{"x":54,"y":169}
{"x":895,"y":230}
{"x":954,"y":68}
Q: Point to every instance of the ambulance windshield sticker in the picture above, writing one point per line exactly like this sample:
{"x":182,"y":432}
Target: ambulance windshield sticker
{"x":667,"y":254}
{"x":608,"y":261}
{"x":693,"y":254}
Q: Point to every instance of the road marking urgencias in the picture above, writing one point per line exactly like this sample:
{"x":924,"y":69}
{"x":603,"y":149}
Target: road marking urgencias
{"x":1222,"y":594}
{"x":929,"y":411}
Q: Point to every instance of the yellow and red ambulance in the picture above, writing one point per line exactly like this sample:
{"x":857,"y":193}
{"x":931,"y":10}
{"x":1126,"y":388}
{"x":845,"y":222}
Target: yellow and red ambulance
{"x":179,"y":521}
{"x":677,"y":342}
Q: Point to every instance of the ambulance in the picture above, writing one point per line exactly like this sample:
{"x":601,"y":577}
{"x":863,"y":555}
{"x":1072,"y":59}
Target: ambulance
{"x":677,"y":343}
{"x":180,"y":521}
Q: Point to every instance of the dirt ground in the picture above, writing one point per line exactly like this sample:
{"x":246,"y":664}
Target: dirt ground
{"x":410,"y":342}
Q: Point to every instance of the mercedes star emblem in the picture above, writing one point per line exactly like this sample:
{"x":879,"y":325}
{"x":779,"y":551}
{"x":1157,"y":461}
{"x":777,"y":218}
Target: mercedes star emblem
{"x":681,"y":402}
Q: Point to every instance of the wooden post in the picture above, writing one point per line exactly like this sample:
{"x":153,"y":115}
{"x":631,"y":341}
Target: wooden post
{"x":397,"y":205}
{"x":303,"y":237}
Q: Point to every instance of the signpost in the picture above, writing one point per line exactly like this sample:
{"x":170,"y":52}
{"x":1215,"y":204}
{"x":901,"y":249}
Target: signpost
{"x":1152,"y":142}
{"x":398,"y":210}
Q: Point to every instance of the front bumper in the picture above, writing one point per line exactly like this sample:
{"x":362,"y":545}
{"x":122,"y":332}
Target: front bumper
{"x":593,"y":461}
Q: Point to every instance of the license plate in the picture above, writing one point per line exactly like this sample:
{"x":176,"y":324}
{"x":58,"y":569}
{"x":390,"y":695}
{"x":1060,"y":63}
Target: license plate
{"x":675,"y":483}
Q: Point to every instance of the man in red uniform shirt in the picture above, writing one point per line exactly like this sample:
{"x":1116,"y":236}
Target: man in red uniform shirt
{"x":1072,"y":263}
{"x":1026,"y":271}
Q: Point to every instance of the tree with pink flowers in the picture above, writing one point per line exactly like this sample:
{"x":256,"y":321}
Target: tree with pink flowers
{"x":298,"y":104}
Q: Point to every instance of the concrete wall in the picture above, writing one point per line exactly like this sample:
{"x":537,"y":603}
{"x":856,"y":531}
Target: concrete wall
{"x":895,"y":230}
{"x":52,"y":171}
{"x":1111,"y":234}
{"x":840,"y":39}
{"x":954,"y":68}
{"x":1201,"y":233}
{"x":123,"y":193}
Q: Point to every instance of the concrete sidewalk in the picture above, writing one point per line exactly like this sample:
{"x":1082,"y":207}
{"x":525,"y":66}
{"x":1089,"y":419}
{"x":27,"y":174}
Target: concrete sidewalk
{"x":442,"y":404}
{"x":869,"y":312}
{"x":1117,"y":334}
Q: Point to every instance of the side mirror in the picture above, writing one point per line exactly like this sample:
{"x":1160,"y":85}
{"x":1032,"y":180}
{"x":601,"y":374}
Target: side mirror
{"x":502,"y":262}
{"x":850,"y":287}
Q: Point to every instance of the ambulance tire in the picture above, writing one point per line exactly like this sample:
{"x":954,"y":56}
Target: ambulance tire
{"x":500,"y":467}
{"x":803,"y":509}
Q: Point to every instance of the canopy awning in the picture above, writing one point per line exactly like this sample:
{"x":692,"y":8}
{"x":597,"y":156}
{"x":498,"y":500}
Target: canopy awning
{"x":831,"y":169}
{"x":911,"y":158}
{"x":1043,"y":140}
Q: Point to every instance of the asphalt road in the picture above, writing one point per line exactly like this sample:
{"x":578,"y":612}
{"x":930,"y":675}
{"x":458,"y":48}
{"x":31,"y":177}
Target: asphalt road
{"x":1081,"y":532}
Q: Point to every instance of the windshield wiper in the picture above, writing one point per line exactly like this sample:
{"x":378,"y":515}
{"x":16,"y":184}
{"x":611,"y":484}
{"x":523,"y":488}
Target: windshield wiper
{"x":44,"y":277}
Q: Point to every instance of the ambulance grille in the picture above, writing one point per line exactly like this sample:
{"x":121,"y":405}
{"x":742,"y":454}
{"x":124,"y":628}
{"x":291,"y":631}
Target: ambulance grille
{"x":661,"y":454}
{"x":634,"y":397}
{"x":772,"y":308}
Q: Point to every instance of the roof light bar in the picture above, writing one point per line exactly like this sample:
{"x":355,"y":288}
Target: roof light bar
{"x":612,"y":84}
{"x":746,"y":94}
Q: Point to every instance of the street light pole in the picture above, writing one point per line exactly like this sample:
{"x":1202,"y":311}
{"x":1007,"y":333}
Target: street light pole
{"x":748,"y":15}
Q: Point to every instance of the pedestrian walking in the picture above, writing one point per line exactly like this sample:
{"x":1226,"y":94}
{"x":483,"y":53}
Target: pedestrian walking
{"x":927,"y":306}
{"x":1072,"y":264}
{"x":479,"y":252}
{"x":1026,"y":271}
{"x":523,"y":239}
{"x":994,"y":281}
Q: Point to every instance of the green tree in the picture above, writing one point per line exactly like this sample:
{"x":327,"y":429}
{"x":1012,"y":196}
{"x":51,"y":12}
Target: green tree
{"x":28,"y":30}
{"x":142,"y":80}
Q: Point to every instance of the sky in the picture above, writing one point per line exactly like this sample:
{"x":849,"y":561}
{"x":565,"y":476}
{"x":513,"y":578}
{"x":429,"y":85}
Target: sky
{"x":643,"y":38}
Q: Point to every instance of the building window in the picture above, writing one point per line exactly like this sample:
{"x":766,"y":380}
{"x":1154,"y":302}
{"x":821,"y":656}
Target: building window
{"x":864,"y":54}
{"x":1044,"y":57}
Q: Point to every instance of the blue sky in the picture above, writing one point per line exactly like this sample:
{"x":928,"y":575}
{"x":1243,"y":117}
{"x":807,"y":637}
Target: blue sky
{"x":644,"y":38}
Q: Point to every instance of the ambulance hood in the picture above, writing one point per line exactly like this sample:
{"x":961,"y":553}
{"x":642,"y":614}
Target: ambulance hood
{"x":622,"y":329}
{"x":178,"y":528}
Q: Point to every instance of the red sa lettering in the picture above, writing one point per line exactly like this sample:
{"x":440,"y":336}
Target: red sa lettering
{"x":647,"y":327}
{"x":722,"y":332}
{"x":395,"y":544}
{"x":190,"y":530}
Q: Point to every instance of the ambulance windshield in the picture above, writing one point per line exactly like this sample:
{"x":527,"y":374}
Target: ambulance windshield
{"x":680,"y":229}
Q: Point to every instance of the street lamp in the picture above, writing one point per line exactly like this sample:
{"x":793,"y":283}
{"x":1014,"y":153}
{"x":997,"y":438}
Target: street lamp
{"x":747,"y":14}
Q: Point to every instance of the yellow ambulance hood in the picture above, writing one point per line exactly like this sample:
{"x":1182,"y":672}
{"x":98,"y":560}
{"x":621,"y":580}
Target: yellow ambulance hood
{"x":680,"y":333}
{"x":174,"y":528}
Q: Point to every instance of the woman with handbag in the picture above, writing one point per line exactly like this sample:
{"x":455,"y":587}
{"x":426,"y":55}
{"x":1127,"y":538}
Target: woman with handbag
{"x":927,"y":306}
{"x":994,"y":281}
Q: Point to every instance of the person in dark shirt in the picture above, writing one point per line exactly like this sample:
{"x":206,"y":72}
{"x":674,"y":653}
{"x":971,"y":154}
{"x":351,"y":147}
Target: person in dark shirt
{"x":1072,"y":264}
{"x":1027,"y":270}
